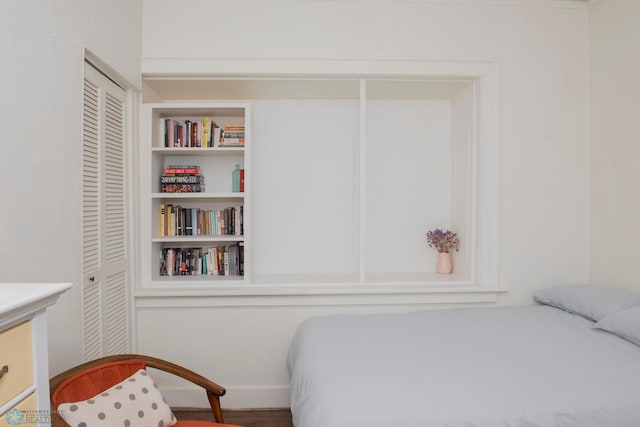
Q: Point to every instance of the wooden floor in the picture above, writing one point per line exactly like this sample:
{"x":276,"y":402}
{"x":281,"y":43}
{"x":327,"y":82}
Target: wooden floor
{"x":252,"y":418}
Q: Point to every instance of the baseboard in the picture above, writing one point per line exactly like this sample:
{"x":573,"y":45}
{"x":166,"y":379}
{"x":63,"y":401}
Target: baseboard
{"x":236,"y":397}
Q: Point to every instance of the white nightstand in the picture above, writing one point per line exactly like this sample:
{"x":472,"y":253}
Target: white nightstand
{"x":24,"y":365}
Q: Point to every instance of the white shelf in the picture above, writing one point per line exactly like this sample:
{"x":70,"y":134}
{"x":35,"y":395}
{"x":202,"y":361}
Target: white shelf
{"x":203,"y":195}
{"x":197,"y":239}
{"x":199,"y":151}
{"x":195,"y":282}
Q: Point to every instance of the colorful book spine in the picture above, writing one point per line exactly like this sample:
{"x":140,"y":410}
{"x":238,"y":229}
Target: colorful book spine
{"x":206,"y":130}
{"x":182,"y":179}
{"x":181,"y":188}
{"x":181,"y":170}
{"x":161,"y":217}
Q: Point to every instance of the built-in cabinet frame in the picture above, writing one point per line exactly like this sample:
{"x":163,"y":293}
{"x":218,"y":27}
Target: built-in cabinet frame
{"x":443,"y":80}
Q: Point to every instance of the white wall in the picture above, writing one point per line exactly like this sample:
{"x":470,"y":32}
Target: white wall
{"x":614,"y":37}
{"x":541,"y":49}
{"x":43,"y":46}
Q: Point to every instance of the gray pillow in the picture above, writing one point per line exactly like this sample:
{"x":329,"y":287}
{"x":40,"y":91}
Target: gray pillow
{"x":625,"y":324}
{"x":593,"y":302}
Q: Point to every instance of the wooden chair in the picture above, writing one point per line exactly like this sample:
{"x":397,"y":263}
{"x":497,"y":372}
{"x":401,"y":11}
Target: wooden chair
{"x":91,"y":378}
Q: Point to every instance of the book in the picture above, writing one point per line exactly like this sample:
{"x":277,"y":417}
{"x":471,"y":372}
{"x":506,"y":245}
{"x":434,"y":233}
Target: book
{"x":209,"y":262}
{"x":187,"y":133}
{"x":179,"y":135}
{"x":228,"y":223}
{"x":181,"y":170}
{"x":213,"y":226}
{"x":188,"y":222}
{"x":195,"y":130}
{"x":161,"y":216}
{"x":196,"y":221}
{"x":242,"y":180}
{"x":215,"y":269}
{"x":172,"y":222}
{"x":197,"y":260}
{"x":217,"y":133}
{"x":168,"y":262}
{"x":181,"y":188}
{"x":221,"y":250}
{"x":233,"y":260}
{"x":182,"y":179}
{"x":225,"y":260}
{"x":206,"y":130}
{"x":166,"y":220}
{"x":165,"y":128}
{"x":232,"y":142}
{"x":192,"y":128}
{"x":179,"y":220}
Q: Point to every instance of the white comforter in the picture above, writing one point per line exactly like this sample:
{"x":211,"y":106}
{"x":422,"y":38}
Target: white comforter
{"x":511,"y":366}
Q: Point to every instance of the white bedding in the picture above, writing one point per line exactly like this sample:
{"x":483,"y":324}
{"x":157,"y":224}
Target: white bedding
{"x":499,"y":366}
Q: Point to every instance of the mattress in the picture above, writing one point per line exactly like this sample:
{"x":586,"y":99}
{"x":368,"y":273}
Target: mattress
{"x":492,"y":366}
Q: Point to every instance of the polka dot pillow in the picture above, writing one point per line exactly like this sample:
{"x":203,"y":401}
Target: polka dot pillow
{"x":135,"y":402}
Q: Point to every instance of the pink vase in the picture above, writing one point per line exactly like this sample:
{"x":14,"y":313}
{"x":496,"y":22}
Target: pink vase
{"x":444,"y":265}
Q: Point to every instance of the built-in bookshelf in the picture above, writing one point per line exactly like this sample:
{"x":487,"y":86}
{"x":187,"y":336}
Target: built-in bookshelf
{"x":349,"y":174}
{"x":195,"y":189}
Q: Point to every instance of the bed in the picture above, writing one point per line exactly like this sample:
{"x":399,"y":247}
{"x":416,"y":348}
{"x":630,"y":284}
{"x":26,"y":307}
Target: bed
{"x":570,"y":360}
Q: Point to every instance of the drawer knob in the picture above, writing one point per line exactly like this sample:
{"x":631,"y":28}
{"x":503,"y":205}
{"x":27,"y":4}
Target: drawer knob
{"x":4,"y":370}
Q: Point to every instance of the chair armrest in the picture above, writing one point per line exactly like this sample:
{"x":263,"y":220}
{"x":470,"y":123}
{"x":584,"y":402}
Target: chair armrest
{"x":214,"y":391}
{"x":183,"y":372}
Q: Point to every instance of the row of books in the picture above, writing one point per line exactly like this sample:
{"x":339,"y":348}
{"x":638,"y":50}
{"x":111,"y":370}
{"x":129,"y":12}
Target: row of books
{"x":203,"y":133}
{"x":175,"y":220}
{"x":215,"y":261}
{"x":182,"y":179}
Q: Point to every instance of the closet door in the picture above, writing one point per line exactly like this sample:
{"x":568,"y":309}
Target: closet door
{"x":104,"y":227}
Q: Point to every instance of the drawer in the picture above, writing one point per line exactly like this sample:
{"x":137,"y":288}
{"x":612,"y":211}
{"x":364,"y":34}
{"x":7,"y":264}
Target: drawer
{"x":16,"y":352}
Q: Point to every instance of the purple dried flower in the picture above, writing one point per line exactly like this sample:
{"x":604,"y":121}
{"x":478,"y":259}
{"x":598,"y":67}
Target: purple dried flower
{"x":443,"y":241}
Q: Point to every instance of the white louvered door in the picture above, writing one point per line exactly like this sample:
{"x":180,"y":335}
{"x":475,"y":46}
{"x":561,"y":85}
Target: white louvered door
{"x":104,"y":228}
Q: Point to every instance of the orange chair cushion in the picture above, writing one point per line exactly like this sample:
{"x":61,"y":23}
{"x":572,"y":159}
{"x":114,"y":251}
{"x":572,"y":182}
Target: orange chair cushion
{"x":86,"y":384}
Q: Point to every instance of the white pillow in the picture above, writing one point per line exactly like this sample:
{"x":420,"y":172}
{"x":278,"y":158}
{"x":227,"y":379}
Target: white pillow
{"x":625,"y":324}
{"x":593,"y":302}
{"x":134,"y":402}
